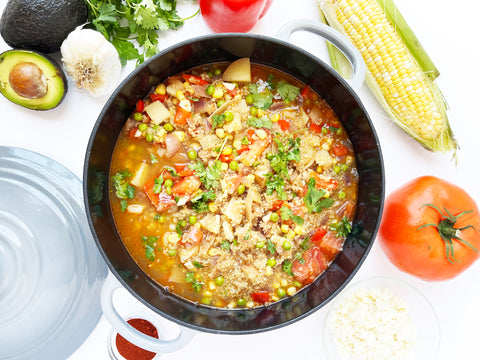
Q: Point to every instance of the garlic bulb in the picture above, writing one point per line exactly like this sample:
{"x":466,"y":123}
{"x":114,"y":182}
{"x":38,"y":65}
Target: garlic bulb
{"x":91,"y":60}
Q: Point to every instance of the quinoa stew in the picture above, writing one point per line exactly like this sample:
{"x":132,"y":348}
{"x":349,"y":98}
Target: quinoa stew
{"x":233,"y":185}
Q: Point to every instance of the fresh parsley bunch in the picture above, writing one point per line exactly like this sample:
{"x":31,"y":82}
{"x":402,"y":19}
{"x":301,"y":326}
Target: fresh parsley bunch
{"x":124,"y":21}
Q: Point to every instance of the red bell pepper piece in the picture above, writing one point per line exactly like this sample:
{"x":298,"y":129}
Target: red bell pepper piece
{"x":261,"y":296}
{"x":339,"y":150}
{"x":183,"y":170}
{"x":196,"y":80}
{"x":140,"y":106}
{"x":181,"y":116}
{"x":158,"y":97}
{"x":315,"y":128}
{"x":284,"y":124}
{"x":233,"y":15}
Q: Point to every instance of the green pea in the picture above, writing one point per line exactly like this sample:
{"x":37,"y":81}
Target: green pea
{"x":253,"y":111}
{"x":281,"y":292}
{"x":171,"y":252}
{"x":168,"y":183}
{"x":260,"y":244}
{"x":142,"y":127}
{"x":149,"y":137}
{"x":161,"y":219}
{"x":192,"y":154}
{"x":324,"y":130}
{"x":249,"y":99}
{"x":269,"y":156}
{"x":168,"y":127}
{"x":241,"y":302}
{"x":219,"y":280}
{"x":138,"y":116}
{"x":210,"y":89}
{"x":168,"y":190}
{"x":182,"y":223}
{"x":344,"y":167}
{"x":228,"y":116}
{"x":206,"y":300}
{"x":336,"y":168}
{"x":297,"y":284}
{"x":341,"y":195}
{"x":287,"y":245}
{"x":233,"y":165}
{"x":220,"y":103}
{"x":271,"y":262}
{"x":192,"y":220}
{"x":241,"y":189}
{"x":274,"y":217}
{"x":217,"y":72}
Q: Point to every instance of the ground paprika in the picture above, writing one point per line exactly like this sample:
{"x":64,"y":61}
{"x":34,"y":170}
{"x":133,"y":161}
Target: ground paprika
{"x":132,"y":352}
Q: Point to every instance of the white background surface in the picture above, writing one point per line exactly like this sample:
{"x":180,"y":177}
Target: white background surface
{"x":446,"y":30}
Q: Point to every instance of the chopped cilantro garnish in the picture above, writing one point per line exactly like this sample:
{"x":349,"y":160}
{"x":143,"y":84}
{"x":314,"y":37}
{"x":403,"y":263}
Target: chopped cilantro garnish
{"x":342,"y":228}
{"x":190,"y":278}
{"x":197,"y":264}
{"x":157,"y":187}
{"x":276,"y":182}
{"x":123,"y":204}
{"x":225,"y":245}
{"x":123,"y":189}
{"x":218,"y":120}
{"x":153,"y":159}
{"x":314,"y":199}
{"x":263,"y":122}
{"x":261,"y":100}
{"x":287,"y":264}
{"x":209,"y":176}
{"x":271,"y":247}
{"x":287,"y":214}
{"x":287,"y":92}
{"x":149,"y":243}
{"x":200,"y":201}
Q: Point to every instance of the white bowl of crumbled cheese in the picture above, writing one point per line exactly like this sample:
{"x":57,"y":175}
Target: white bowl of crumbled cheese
{"x":381,"y":319}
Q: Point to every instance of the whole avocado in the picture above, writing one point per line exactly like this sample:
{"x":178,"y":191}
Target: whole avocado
{"x":41,"y":25}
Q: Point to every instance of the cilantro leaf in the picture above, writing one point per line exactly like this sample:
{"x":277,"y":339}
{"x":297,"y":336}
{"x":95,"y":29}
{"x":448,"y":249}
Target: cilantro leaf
{"x":209,"y":176}
{"x":123,"y":189}
{"x":200,"y":201}
{"x":157,"y":187}
{"x":287,"y":214}
{"x":225,"y":245}
{"x":261,"y":100}
{"x":342,"y":228}
{"x":271,"y":247}
{"x":314,"y":199}
{"x":149,"y":243}
{"x":218,"y":120}
{"x":287,"y":92}
{"x":190,"y":278}
{"x":263,"y":122}
{"x":276,"y":182}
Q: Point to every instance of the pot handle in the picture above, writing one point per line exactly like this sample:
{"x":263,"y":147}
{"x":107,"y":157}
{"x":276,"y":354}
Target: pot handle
{"x":129,"y":332}
{"x":337,"y":39}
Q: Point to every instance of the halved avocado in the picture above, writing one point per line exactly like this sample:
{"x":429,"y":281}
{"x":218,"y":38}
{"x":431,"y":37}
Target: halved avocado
{"x":31,"y":79}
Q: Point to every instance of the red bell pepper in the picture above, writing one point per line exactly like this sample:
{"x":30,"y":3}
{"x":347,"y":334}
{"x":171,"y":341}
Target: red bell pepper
{"x":233,"y":15}
{"x":181,"y":116}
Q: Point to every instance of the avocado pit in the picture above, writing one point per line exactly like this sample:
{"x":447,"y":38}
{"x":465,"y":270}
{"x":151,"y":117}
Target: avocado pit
{"x":28,"y":80}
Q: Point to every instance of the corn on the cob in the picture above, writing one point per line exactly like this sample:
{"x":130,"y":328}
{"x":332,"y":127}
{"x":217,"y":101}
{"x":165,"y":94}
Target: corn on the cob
{"x":395,"y":77}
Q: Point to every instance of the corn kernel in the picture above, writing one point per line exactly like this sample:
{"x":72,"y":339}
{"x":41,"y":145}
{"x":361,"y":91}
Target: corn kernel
{"x":262,"y":134}
{"x":180,"y":96}
{"x":250,"y":304}
{"x":237,"y":144}
{"x":212,"y":207}
{"x":224,"y":166}
{"x":161,"y":89}
{"x":290,"y":234}
{"x":220,"y":133}
{"x":291,"y":290}
{"x":298,"y":230}
{"x":276,"y":285}
{"x":180,"y":135}
{"x":319,"y":169}
{"x":283,"y":283}
{"x":275,"y":298}
{"x":207,"y":293}
{"x":275,"y":117}
{"x":285,"y":228}
{"x":218,"y":93}
{"x":227,"y":151}
{"x":211,"y":285}
{"x":260,"y":112}
{"x":268,"y":270}
{"x":214,"y":252}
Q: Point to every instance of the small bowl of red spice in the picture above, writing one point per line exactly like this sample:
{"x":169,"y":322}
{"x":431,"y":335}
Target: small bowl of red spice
{"x":121,"y":349}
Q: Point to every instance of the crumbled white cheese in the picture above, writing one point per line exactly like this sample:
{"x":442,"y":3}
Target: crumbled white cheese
{"x":373,"y":324}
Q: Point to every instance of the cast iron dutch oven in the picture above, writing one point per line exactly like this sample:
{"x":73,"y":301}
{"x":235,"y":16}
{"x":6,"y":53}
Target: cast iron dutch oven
{"x":267,"y":51}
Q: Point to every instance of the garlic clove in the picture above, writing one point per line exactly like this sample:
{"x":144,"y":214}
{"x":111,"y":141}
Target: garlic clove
{"x":91,"y":61}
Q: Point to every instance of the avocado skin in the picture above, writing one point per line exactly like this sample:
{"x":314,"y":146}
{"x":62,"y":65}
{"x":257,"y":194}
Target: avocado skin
{"x":41,"y":25}
{"x":56,"y":76}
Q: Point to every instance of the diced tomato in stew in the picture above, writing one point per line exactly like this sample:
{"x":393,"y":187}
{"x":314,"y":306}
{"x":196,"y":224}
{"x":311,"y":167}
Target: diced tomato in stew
{"x":313,"y":265}
{"x":188,"y":185}
{"x":261,"y":296}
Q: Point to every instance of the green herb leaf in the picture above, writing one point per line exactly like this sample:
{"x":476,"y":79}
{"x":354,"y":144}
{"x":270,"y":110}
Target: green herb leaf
{"x":149,"y":243}
{"x":197,"y":264}
{"x":225,"y":245}
{"x":342,"y":228}
{"x":314,"y":199}
{"x":287,"y":91}
{"x":190,"y":278}
{"x":263,"y":122}
{"x":261,"y":100}
{"x":287,"y":214}
{"x":123,"y":189}
{"x":157,"y":187}
{"x":209,"y":176}
{"x":200,"y":201}
{"x":218,"y":120}
{"x":271,"y":247}
{"x":153,"y":159}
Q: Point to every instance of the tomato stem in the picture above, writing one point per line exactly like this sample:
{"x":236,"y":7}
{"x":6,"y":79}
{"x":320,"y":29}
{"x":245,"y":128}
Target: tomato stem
{"x":447,"y":230}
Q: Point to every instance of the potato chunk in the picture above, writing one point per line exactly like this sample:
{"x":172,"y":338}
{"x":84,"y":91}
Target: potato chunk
{"x":238,"y":71}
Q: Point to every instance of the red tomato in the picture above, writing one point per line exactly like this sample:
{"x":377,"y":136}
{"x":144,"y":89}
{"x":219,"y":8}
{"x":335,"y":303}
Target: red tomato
{"x":188,"y":185}
{"x":158,"y":97}
{"x":140,"y":106}
{"x":261,"y":297}
{"x":233,"y":15}
{"x":339,"y":150}
{"x":412,"y":220}
{"x":181,"y":116}
{"x":197,"y":80}
{"x":184,"y":170}
{"x":162,"y":200}
{"x":284,"y":124}
{"x":313,"y":265}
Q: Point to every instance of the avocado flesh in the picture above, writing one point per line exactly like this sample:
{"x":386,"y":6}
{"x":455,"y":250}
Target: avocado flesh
{"x":53,"y":79}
